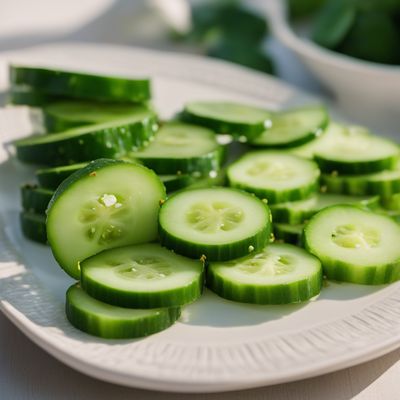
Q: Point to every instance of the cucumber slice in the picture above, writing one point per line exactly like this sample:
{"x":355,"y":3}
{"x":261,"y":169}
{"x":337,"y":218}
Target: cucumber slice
{"x":288,"y":233}
{"x":355,"y":245}
{"x":110,"y":322}
{"x":107,"y":204}
{"x":63,"y":115}
{"x":274,"y":176}
{"x":51,"y":178}
{"x":33,"y":226}
{"x":81,"y":85}
{"x":297,"y":212}
{"x":293,"y":127}
{"x":142,"y":276}
{"x":215,"y":223}
{"x":176,"y":182}
{"x":239,"y":120}
{"x":182,"y":148}
{"x":35,"y":199}
{"x":24,"y":95}
{"x":279,"y":274}
{"x":112,"y":139}
{"x":391,"y":203}
{"x":384,"y":184}
{"x":358,"y":152}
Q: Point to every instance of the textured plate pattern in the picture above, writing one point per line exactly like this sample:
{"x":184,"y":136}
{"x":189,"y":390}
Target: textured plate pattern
{"x":217,"y":345}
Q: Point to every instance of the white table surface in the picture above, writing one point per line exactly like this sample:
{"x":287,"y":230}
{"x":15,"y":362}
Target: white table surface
{"x":26,"y":371}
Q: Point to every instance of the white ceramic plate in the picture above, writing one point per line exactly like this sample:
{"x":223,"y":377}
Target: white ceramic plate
{"x":217,"y":345}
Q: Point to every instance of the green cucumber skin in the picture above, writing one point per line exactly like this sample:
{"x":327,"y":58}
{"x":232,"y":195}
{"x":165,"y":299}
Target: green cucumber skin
{"x":277,"y":294}
{"x":51,"y":178}
{"x":167,"y":298}
{"x":124,"y":329}
{"x":231,"y":128}
{"x":28,"y":97}
{"x":104,"y":143}
{"x":33,"y":226}
{"x":288,"y":234}
{"x":178,"y":182}
{"x":217,"y":253}
{"x":55,"y":124}
{"x":279,"y":197}
{"x":81,"y":85}
{"x":359,"y":185}
{"x":203,"y":164}
{"x":296,"y":217}
{"x":35,"y":199}
{"x":358,"y":167}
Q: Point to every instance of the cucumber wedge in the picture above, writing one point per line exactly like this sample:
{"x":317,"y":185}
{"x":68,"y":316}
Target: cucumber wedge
{"x":358,"y":152}
{"x":384,"y":184}
{"x":274,"y":176}
{"x":297,"y":212}
{"x":81,"y":85}
{"x":63,"y":115}
{"x":215,"y":223}
{"x":107,"y":204}
{"x":182,"y":148}
{"x":355,"y":245}
{"x":35,"y":199}
{"x":293,"y":127}
{"x":112,"y":140}
{"x":110,"y":322}
{"x":142,"y":276}
{"x":239,"y":120}
{"x":279,"y":274}
{"x":33,"y":226}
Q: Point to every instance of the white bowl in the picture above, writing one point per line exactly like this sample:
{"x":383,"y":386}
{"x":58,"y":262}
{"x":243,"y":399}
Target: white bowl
{"x":367,"y":92}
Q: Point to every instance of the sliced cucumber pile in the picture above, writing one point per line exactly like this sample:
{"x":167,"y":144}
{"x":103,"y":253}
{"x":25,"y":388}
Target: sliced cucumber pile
{"x":355,"y":245}
{"x":81,"y":85}
{"x":63,"y":115}
{"x":182,"y":148}
{"x":279,"y":274}
{"x":140,"y":257}
{"x":274,"y":176}
{"x":297,"y":212}
{"x":110,"y":322}
{"x":100,"y":207}
{"x":293,"y":128}
{"x":358,"y":152}
{"x":239,"y":120}
{"x":142,"y":276}
{"x":112,"y":139}
{"x":214,"y":223}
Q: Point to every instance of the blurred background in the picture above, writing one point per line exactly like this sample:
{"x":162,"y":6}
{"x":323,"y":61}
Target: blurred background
{"x":343,"y":50}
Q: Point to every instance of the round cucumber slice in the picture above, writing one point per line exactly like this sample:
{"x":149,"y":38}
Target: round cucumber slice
{"x":214,"y":223}
{"x":142,"y":276}
{"x":113,"y":139}
{"x":110,"y":322}
{"x":33,"y":226}
{"x":293,"y":127}
{"x":107,"y":204}
{"x":385,"y":183}
{"x":51,"y":178}
{"x":358,"y":152}
{"x":239,"y":120}
{"x":355,"y":245}
{"x":288,"y":233}
{"x":182,"y":148}
{"x":81,"y":85}
{"x":297,"y":212}
{"x":35,"y":199}
{"x":63,"y":115}
{"x":274,"y":176}
{"x":279,"y":274}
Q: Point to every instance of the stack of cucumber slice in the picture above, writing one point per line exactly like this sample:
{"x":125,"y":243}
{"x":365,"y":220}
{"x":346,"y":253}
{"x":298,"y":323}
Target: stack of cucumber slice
{"x":304,"y":198}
